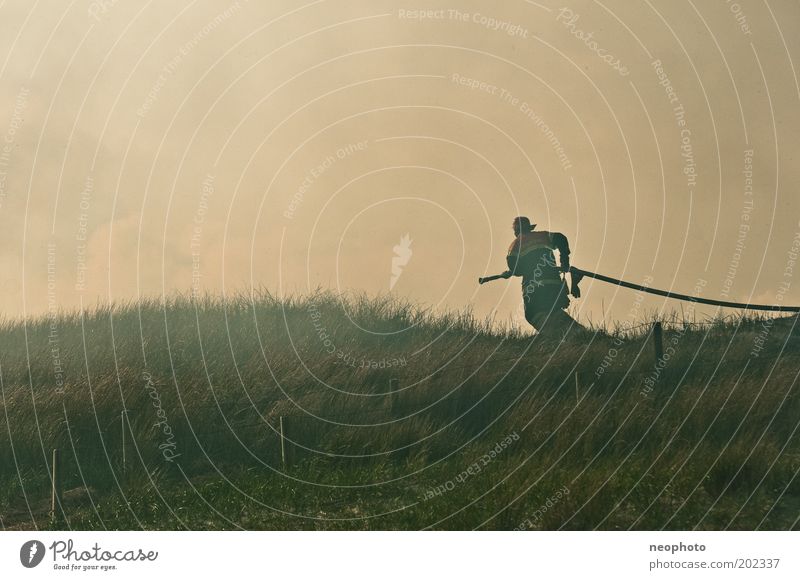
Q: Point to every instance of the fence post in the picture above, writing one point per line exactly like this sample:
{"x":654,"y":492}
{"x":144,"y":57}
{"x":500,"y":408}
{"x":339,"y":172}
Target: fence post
{"x":658,"y":341}
{"x":286,"y":455}
{"x":124,"y":456}
{"x":283,"y":444}
{"x":394,"y":386}
{"x":55,"y":496}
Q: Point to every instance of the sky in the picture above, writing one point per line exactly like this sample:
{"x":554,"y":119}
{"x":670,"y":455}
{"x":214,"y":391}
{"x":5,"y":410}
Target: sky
{"x":153,"y":148}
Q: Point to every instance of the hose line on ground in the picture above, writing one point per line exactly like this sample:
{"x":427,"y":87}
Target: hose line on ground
{"x":577,"y":274}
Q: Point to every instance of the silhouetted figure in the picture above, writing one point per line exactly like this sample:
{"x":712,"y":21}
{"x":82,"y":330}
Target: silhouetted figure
{"x":543,"y":291}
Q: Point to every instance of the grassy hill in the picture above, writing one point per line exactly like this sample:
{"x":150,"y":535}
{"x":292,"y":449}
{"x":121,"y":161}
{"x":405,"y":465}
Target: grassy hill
{"x":395,"y":418}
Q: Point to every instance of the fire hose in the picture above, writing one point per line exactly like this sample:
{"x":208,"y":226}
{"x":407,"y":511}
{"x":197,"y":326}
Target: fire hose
{"x":577,"y":275}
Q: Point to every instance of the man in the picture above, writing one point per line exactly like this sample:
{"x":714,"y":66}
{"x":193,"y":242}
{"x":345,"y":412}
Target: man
{"x":544,"y":293}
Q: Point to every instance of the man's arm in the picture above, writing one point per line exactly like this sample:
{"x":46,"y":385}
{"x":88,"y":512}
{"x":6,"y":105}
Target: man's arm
{"x":561,"y":244}
{"x":512,"y":259}
{"x":511,"y":262}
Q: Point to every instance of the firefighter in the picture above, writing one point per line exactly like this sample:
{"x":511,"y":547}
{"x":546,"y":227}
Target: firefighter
{"x":544,"y":292}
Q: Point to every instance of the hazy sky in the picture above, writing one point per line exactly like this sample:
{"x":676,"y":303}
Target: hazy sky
{"x":152,"y":147}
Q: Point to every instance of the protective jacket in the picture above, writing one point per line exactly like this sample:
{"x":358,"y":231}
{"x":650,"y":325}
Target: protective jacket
{"x":531,"y":256}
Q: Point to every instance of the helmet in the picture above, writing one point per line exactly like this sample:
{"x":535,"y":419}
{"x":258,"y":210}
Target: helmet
{"x":523,"y":224}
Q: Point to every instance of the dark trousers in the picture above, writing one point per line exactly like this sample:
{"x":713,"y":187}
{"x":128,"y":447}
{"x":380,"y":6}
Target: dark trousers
{"x":544,"y":307}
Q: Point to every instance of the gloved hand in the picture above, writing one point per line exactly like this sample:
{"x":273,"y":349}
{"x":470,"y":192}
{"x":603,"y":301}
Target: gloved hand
{"x":574,"y":288}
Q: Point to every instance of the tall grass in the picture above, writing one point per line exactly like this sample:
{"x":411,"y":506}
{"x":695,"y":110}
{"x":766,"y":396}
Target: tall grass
{"x":711,"y":444}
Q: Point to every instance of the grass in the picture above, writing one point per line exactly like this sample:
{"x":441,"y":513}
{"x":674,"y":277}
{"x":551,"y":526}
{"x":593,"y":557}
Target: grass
{"x":483,"y":429}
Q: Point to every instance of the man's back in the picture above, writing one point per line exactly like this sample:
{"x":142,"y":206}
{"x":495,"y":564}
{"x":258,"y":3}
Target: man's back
{"x":531,"y":255}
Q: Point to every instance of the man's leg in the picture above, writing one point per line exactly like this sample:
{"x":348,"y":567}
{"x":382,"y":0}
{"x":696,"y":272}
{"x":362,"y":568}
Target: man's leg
{"x":544,"y":311}
{"x":531,"y":315}
{"x":537,"y":312}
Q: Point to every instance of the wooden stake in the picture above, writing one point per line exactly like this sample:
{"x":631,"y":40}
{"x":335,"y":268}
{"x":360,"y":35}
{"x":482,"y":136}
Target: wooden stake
{"x":283,"y":442}
{"x":394,"y":386}
{"x":124,"y":456}
{"x":658,"y":341}
{"x":55,"y":497}
{"x":577,"y":386}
